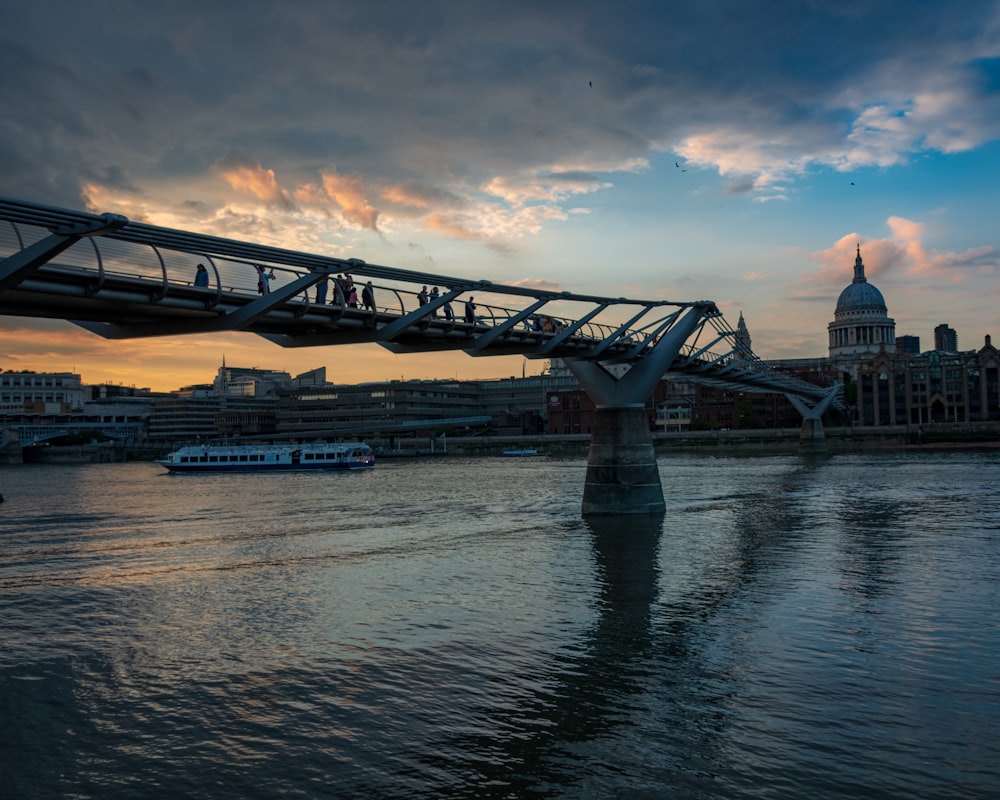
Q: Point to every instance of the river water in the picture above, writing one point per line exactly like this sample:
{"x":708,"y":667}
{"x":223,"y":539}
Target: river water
{"x":455,"y":628}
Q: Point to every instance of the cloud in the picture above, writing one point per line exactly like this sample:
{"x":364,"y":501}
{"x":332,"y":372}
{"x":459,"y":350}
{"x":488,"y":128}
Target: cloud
{"x":251,"y":178}
{"x":539,"y":284}
{"x":348,"y":192}
{"x":487,"y":111}
{"x":453,"y":227}
{"x":902,"y":257}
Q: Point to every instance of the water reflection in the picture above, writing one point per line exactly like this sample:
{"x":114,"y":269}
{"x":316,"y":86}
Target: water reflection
{"x":534,"y":747}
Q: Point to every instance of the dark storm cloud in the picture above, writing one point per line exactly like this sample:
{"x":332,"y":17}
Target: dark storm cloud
{"x":449,"y":96}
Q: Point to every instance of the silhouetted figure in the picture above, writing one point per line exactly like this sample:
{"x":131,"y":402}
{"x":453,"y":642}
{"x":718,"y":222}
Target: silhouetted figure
{"x":368,"y":297}
{"x":264,"y":279}
{"x":321,"y":289}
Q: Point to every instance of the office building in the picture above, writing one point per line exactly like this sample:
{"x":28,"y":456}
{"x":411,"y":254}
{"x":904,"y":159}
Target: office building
{"x":945,"y":339}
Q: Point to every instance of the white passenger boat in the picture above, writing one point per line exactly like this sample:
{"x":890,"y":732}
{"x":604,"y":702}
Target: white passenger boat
{"x":256,"y":457}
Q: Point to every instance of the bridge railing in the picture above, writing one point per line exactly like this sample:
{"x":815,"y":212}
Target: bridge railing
{"x":103,"y":256}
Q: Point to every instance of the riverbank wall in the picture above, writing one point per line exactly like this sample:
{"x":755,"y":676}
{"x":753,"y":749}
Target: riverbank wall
{"x":723,"y":443}
{"x":746,"y":442}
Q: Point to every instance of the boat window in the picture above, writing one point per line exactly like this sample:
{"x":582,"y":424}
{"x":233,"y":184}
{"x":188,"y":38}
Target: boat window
{"x":308,"y":456}
{"x":243,"y":458}
{"x":213,"y":459}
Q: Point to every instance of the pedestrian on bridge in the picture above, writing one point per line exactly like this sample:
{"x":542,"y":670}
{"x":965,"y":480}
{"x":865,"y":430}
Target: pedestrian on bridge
{"x":435,"y":294}
{"x":470,"y":310}
{"x":321,"y":289}
{"x":264,"y":279}
{"x":201,"y":276}
{"x":422,"y":296}
{"x":368,"y":297}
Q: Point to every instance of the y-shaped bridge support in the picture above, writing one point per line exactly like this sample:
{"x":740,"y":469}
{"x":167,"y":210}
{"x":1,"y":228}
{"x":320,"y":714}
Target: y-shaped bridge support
{"x":622,"y":476}
{"x":812,"y":439}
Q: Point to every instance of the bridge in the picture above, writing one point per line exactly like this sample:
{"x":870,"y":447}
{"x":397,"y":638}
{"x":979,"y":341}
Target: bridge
{"x":123,"y":279}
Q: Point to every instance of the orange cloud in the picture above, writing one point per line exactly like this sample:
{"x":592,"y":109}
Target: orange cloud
{"x":254,"y":179}
{"x":407,"y":196}
{"x":437,"y":222}
{"x":348,"y":192}
{"x":538,"y":283}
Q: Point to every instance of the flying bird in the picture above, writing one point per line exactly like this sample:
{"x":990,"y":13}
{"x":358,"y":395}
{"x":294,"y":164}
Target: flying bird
{"x":590,"y":84}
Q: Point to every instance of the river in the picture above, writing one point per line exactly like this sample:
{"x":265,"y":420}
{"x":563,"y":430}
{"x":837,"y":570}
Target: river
{"x":453,"y":628}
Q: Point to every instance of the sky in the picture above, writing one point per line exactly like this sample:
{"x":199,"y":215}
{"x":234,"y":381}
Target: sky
{"x":729,"y":150}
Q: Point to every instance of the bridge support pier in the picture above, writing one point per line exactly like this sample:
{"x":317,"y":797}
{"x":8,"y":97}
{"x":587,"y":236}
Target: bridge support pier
{"x":812,"y":438}
{"x":622,"y":476}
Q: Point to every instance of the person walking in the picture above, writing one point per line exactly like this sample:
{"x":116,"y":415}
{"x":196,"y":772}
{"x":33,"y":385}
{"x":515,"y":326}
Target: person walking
{"x":321,"y":289}
{"x":368,"y":297}
{"x":201,"y":276}
{"x":470,"y":310}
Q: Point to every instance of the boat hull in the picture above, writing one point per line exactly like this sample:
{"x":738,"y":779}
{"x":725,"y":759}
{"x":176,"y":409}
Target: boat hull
{"x":265,"y":467}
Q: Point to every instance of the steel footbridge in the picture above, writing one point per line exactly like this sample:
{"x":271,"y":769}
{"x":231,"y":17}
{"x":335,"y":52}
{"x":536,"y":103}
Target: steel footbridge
{"x":123,"y":279}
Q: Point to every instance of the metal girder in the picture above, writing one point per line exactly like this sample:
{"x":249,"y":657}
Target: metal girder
{"x":492,"y":335}
{"x":569,"y":330}
{"x":236,"y":320}
{"x":15,"y":268}
{"x":636,"y":385}
{"x":389,"y":332}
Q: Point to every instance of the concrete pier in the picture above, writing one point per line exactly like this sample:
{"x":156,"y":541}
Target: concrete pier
{"x":622,"y":476}
{"x":812,"y":438}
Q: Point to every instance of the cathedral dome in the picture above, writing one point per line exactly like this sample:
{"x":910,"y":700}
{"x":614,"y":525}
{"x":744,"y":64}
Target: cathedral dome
{"x":861,"y":296}
{"x":861,"y":324}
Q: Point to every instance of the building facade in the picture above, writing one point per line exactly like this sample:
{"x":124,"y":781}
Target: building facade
{"x":910,"y":345}
{"x":900,"y":389}
{"x":40,"y":392}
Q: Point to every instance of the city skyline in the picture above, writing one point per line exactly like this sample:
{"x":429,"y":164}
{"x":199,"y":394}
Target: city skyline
{"x":738,"y":152}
